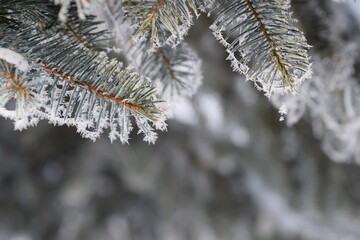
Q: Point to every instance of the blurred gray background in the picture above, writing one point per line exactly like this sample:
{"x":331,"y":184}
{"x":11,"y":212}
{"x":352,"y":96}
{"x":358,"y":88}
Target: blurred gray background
{"x":226,"y":169}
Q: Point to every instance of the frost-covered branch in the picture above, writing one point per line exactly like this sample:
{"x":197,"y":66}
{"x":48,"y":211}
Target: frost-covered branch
{"x":263,"y":43}
{"x":175,"y":71}
{"x":80,"y":85}
{"x":163,"y":20}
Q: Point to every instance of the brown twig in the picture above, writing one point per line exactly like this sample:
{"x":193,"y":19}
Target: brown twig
{"x":15,"y":84}
{"x":99,"y":92}
{"x":76,"y":35}
{"x":156,"y":9}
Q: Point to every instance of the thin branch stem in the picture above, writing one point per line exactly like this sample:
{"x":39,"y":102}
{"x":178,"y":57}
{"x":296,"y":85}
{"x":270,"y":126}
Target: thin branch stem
{"x":98,"y":92}
{"x":274,"y":55}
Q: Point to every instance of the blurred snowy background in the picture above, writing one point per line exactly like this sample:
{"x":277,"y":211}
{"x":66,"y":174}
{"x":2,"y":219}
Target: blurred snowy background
{"x":226,"y":169}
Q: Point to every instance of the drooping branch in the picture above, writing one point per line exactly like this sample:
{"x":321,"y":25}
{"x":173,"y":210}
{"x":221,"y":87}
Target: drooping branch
{"x":263,"y":43}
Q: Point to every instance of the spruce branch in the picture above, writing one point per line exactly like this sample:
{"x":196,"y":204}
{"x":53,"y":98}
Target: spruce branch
{"x":80,"y":85}
{"x":19,"y":86}
{"x":85,"y":88}
{"x":85,"y":31}
{"x":164,"y":21}
{"x":261,"y":39}
{"x":13,"y":84}
{"x":263,"y":43}
{"x":175,"y":71}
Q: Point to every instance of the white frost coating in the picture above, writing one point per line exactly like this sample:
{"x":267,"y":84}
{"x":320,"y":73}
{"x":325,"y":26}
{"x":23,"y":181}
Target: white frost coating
{"x":283,"y":110}
{"x":14,"y":58}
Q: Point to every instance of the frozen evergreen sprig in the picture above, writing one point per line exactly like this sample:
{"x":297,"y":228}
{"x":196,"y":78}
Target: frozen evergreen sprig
{"x":176,"y":71}
{"x":84,"y":88}
{"x":163,"y":21}
{"x":261,"y":39}
{"x":87,"y":89}
{"x":263,"y":43}
{"x":16,"y":84}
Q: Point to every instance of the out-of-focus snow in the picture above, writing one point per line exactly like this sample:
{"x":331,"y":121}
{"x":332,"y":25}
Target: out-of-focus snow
{"x":20,"y":237}
{"x":184,"y":112}
{"x":354,"y":7}
{"x":212,"y":110}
